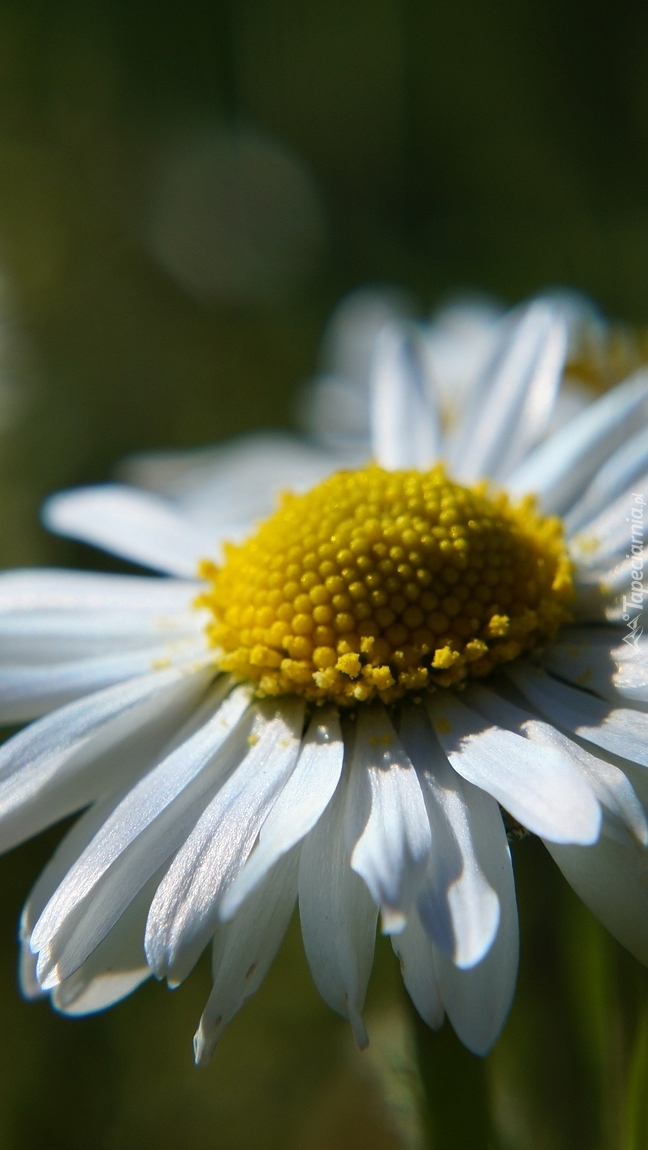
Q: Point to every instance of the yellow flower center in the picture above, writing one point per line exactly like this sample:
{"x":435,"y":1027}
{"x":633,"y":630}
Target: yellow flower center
{"x":377,"y":583}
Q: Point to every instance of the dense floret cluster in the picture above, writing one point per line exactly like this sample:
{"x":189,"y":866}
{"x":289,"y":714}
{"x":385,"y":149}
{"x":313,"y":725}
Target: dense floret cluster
{"x":377,"y":583}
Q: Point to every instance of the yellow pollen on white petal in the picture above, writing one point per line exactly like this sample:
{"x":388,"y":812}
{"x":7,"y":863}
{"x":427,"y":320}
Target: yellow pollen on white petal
{"x":379,"y":583}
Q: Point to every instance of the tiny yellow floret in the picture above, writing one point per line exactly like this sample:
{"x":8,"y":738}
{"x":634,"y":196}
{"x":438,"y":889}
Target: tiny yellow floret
{"x":376,"y":583}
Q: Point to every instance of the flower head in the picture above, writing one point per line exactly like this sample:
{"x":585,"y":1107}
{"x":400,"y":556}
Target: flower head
{"x":376,"y":583}
{"x":333,"y":700}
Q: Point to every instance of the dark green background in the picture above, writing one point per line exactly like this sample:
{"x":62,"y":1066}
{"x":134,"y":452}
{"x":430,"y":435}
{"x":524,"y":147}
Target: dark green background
{"x":501,"y":146}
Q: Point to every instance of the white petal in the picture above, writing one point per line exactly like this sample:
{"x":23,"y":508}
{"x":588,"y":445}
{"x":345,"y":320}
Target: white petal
{"x":132,"y":524}
{"x":458,"y":907}
{"x":558,"y":470}
{"x":614,"y":586}
{"x":387,"y":829}
{"x":634,"y":651}
{"x":460,"y":343}
{"x":65,"y":760}
{"x":136,"y":837}
{"x":595,"y":666}
{"x":66,"y":854}
{"x":301,"y":803}
{"x":54,"y":636}
{"x":355,"y":325}
{"x":613,"y":663}
{"x":620,"y":730}
{"x":185,"y":909}
{"x":607,"y":536}
{"x":115,"y":969}
{"x":612,"y":880}
{"x":602,"y":593}
{"x":572,"y":398}
{"x":338,"y":917}
{"x":416,"y":955}
{"x":336,"y":410}
{"x":404,"y":426}
{"x":51,"y":589}
{"x":236,"y":483}
{"x":510,"y":410}
{"x":537,"y":784}
{"x":628,"y":463}
{"x":244,"y":949}
{"x":478,"y":1000}
{"x":29,"y":691}
{"x":624,"y":814}
{"x":335,"y":406}
{"x":29,"y":984}
{"x":630,"y":681}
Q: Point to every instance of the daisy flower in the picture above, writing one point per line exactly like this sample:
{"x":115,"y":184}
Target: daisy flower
{"x":339,"y":700}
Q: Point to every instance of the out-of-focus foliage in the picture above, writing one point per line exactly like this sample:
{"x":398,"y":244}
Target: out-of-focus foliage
{"x":186,"y":190}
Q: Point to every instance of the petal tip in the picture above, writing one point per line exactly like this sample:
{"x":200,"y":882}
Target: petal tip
{"x":358,"y":1027}
{"x":392,"y":920}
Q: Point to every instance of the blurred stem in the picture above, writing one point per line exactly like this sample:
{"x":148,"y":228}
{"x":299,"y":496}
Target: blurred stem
{"x":612,"y":1003}
{"x":637,"y":1095}
{"x":570,"y":1071}
{"x":456,"y":1091}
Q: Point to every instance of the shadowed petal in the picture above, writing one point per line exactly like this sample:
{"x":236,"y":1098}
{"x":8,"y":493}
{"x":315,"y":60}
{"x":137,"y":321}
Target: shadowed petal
{"x":387,"y":829}
{"x":537,"y":784}
{"x":478,"y":1000}
{"x":457,"y":906}
{"x":244,"y":948}
{"x":338,"y":917}
{"x":405,"y":429}
{"x":612,"y":880}
{"x":620,"y":730}
{"x":624,"y":816}
{"x":416,"y":955}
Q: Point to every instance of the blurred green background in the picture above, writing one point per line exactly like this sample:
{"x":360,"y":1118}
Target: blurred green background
{"x":185,"y":192}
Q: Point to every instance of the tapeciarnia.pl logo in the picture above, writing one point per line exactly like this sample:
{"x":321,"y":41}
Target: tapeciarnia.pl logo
{"x":633,"y":602}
